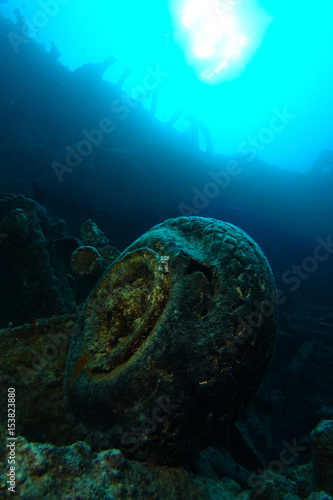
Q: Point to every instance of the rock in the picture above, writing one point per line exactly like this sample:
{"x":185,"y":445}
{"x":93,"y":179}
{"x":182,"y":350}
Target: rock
{"x":33,"y":358}
{"x":322,"y":450}
{"x":224,"y":466}
{"x":16,"y":225}
{"x":282,"y":409}
{"x":11,"y":202}
{"x":93,"y":236}
{"x":86,"y":262}
{"x":202,"y":466}
{"x":303,"y":477}
{"x":173,"y":341}
{"x":87,"y":266}
{"x":320,"y":496}
{"x":50,"y":460}
{"x":45,"y":471}
{"x":270,"y":486}
{"x":31,"y":288}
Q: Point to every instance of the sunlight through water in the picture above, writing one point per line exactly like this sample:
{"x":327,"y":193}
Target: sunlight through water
{"x":225,"y":64}
{"x":219,"y":37}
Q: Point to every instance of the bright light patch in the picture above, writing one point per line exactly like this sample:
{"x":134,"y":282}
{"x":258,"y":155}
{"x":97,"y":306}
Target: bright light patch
{"x":219,"y":37}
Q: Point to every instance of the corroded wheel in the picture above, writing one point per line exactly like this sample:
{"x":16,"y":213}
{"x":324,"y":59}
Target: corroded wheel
{"x":173,"y":341}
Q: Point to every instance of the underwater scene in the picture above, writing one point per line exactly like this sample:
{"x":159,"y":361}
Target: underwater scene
{"x":166,"y":250}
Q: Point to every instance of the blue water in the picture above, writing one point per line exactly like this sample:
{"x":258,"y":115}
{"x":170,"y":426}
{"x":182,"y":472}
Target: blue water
{"x":213,"y":108}
{"x":289,"y":69}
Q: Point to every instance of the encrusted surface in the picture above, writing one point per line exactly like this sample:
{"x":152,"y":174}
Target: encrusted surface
{"x":322,"y":450}
{"x":173,"y":341}
{"x":33,"y":359}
